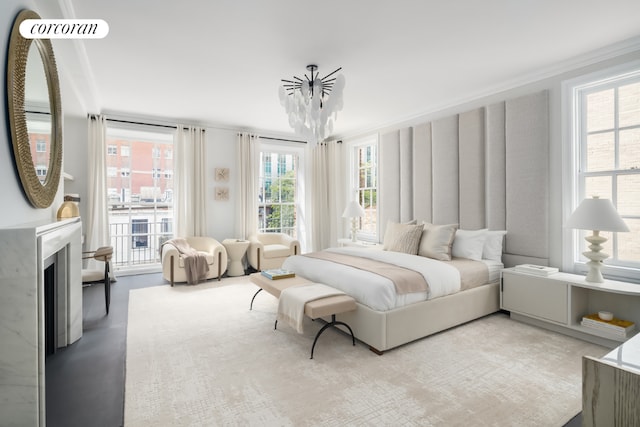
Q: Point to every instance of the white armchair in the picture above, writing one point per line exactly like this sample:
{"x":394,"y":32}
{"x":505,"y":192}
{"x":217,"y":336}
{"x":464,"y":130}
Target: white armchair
{"x":173,"y":268}
{"x":269,"y":250}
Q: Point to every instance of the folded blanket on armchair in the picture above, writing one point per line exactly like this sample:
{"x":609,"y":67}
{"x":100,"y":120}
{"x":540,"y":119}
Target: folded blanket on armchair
{"x":196,"y":266}
{"x":293,"y":299}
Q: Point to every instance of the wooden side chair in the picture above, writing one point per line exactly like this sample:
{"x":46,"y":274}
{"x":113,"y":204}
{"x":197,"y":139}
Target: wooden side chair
{"x":92,"y":276}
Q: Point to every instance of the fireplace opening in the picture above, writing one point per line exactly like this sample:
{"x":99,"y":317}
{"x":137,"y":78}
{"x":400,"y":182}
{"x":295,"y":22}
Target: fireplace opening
{"x":50,"y":308}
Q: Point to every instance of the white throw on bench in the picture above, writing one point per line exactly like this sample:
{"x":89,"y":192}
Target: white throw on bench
{"x":292,"y":301}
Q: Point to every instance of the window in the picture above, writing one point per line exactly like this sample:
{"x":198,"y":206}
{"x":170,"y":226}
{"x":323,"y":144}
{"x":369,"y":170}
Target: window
{"x":140,"y":201}
{"x":606,"y":158}
{"x":277,"y":192}
{"x":41,"y":146}
{"x":139,"y":233}
{"x":365,"y":178}
{"x":112,"y":150}
{"x":41,"y":171}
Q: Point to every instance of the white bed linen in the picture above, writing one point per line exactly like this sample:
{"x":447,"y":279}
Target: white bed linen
{"x":371,"y":289}
{"x":495,"y":267}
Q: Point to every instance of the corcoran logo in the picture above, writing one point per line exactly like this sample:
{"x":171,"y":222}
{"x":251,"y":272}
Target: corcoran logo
{"x":64,"y":29}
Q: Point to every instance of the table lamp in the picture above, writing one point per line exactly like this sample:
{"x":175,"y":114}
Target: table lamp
{"x":598,"y":215}
{"x":353,"y":211}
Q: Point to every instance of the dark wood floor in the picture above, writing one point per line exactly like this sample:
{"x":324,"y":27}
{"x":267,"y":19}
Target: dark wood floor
{"x":85,"y":381}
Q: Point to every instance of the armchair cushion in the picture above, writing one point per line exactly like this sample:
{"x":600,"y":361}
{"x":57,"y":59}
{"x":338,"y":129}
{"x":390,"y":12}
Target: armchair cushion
{"x":276,"y":251}
{"x":269,"y":250}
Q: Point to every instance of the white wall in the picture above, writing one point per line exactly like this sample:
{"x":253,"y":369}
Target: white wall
{"x":221,"y":153}
{"x":554,"y":85}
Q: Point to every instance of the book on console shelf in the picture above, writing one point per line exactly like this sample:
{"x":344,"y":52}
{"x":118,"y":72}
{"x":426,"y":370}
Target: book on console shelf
{"x":617,"y":327}
{"x":278,"y":273}
{"x":538,"y":270}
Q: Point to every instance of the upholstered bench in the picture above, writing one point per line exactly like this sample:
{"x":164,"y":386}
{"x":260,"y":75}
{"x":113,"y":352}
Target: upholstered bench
{"x":323,"y":307}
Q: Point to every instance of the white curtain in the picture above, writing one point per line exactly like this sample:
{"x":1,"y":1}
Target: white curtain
{"x":248,"y":163}
{"x":328,"y":195}
{"x":190,"y":198}
{"x":97,"y":222}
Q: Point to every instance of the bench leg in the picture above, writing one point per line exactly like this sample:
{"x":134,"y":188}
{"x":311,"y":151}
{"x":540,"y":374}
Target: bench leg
{"x":254,"y":297}
{"x":333,"y":322}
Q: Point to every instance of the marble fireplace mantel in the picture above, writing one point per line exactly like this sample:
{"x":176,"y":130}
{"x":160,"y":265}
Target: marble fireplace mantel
{"x":25,"y":251}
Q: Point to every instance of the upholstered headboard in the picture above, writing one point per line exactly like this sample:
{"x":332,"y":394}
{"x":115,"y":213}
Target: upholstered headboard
{"x":485,"y":168}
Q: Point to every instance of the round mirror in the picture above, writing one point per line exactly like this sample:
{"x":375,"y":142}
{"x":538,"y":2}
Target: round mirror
{"x":34,"y":114}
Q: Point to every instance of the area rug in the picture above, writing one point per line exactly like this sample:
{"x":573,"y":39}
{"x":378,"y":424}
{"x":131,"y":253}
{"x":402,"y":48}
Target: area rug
{"x":196,"y":356}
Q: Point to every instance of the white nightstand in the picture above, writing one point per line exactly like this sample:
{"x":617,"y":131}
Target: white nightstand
{"x":559,"y":301}
{"x":358,"y":243}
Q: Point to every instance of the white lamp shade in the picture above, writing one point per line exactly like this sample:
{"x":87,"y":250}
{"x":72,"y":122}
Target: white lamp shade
{"x":353,"y":210}
{"x":596,"y":214}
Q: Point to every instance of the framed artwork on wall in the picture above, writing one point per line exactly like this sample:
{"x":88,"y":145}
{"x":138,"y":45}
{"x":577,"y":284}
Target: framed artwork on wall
{"x":222,"y":193}
{"x":222,"y":174}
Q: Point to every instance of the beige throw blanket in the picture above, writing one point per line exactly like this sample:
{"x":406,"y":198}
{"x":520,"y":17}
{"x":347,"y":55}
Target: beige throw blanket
{"x":196,"y":266}
{"x":472,"y":273}
{"x":405,"y":280}
{"x":293,"y":299}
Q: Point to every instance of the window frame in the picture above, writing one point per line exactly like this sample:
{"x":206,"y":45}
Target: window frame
{"x":354,"y":188}
{"x":574,"y":91}
{"x":127,"y":208}
{"x":297,"y":150}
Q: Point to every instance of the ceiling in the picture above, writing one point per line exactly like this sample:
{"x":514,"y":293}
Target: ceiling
{"x":220,"y":63}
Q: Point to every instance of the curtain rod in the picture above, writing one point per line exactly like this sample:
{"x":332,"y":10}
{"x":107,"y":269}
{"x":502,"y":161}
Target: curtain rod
{"x":176,"y":127}
{"x":288,"y":140}
{"x":131,"y":122}
{"x":282,"y":139}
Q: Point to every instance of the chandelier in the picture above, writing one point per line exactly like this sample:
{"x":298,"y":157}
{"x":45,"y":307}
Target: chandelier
{"x":313,"y":103}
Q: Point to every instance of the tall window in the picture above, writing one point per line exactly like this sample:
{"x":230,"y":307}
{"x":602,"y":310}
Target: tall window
{"x":366,"y":185}
{"x":277,"y":192}
{"x":140,"y":194}
{"x":606,"y":146}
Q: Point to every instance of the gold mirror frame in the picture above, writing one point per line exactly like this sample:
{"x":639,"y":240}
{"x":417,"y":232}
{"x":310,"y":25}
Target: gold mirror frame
{"x":40,"y":195}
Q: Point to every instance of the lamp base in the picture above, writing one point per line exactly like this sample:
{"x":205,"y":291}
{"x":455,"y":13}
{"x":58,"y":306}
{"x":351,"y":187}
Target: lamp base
{"x":596,"y":257}
{"x":354,"y":228}
{"x":595,"y":274}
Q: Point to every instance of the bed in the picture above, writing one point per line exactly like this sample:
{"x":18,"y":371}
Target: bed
{"x":459,"y":289}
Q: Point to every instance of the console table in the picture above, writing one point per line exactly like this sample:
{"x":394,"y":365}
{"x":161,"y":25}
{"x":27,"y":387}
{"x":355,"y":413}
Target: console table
{"x":559,"y":301}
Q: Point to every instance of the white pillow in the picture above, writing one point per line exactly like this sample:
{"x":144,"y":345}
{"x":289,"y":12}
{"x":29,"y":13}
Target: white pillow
{"x":436,"y":241}
{"x":493,"y":245}
{"x":469,"y":244}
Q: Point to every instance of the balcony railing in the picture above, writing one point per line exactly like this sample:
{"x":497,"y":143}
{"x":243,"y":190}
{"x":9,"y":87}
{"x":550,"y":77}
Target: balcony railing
{"x":137,"y":243}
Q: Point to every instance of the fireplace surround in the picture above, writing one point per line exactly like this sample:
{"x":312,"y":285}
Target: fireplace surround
{"x":25,"y":252}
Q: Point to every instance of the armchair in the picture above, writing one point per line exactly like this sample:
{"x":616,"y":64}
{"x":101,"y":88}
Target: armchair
{"x":269,"y":250}
{"x":173,"y":267}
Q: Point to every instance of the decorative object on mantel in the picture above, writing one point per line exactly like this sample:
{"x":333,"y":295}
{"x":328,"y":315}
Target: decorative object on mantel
{"x":69,"y":208}
{"x":222,"y":174}
{"x":353,"y":211}
{"x":313,"y":103}
{"x":222,"y":193}
{"x":598,"y":215}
